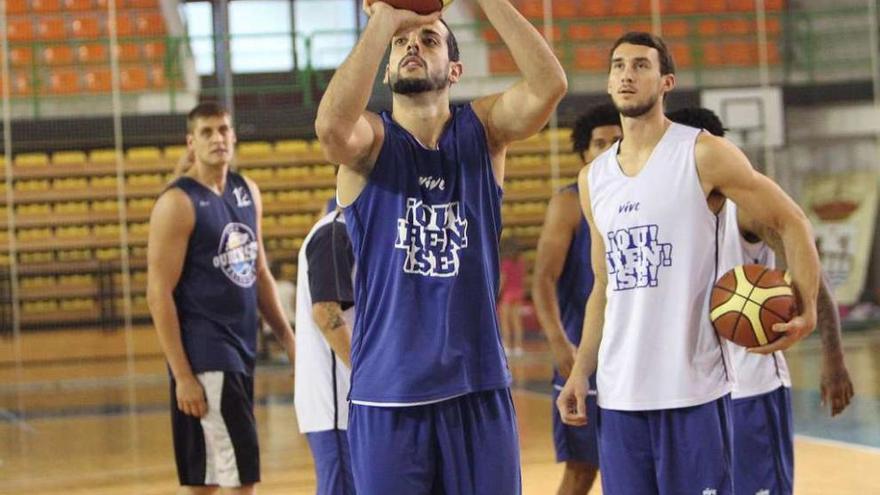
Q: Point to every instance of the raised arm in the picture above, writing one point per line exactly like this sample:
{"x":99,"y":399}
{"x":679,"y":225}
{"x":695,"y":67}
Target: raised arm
{"x":560,"y":224}
{"x":724,"y":169}
{"x":835,"y":384}
{"x":348,"y":133}
{"x":524,"y":109}
{"x":267,"y":294}
{"x":171,"y":224}
{"x":572,"y":400}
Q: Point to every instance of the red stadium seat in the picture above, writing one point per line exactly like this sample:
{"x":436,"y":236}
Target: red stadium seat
{"x":626,"y":8}
{"x":594,"y":9}
{"x":676,"y":28}
{"x":129,"y":52}
{"x":680,"y":6}
{"x":737,"y":26}
{"x":581,"y":32}
{"x":501,"y":61}
{"x":681,"y":55}
{"x":140,"y":4}
{"x":565,"y":9}
{"x":16,"y":7}
{"x":149,"y":23}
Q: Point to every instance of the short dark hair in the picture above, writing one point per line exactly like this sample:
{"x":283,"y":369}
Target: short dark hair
{"x":202,"y":110}
{"x":597,"y":116}
{"x":667,"y":65}
{"x":451,"y":44}
{"x":699,"y":117}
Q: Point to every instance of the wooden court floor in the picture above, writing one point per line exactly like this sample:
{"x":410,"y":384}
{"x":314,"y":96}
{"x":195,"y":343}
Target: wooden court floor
{"x":112,"y":436}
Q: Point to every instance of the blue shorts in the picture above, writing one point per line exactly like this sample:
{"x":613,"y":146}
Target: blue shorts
{"x":668,"y":451}
{"x":332,"y":462}
{"x":576,"y":443}
{"x":467,"y":445}
{"x":762,"y":441}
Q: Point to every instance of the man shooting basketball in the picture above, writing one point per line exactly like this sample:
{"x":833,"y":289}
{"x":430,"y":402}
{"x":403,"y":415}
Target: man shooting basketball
{"x":421,"y":186}
{"x":663,"y":381}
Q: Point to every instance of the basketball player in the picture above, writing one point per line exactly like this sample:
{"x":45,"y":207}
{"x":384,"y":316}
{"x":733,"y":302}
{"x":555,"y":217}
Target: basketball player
{"x":421,"y":186}
{"x":561,"y":283}
{"x":763,"y":433}
{"x":324,"y":312}
{"x":207,"y":277}
{"x":663,"y":378}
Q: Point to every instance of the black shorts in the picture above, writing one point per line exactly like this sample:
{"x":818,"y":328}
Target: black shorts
{"x":220,"y":448}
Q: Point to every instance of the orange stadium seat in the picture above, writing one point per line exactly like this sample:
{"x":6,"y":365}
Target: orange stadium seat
{"x":21,"y":55}
{"x":676,"y":28}
{"x":91,"y":53}
{"x":16,"y":6}
{"x":593,"y":9}
{"x":133,"y":79}
{"x":57,"y":55}
{"x":564,"y":9}
{"x":97,"y":80}
{"x":491,"y":35}
{"x":501,"y":61}
{"x":681,"y":55}
{"x":141,"y":4}
{"x":712,"y":5}
{"x":591,"y":58}
{"x":713,"y":54}
{"x":86,"y":27}
{"x":51,"y":28}
{"x":630,"y":7}
{"x":129,"y":52}
{"x":21,"y":84}
{"x":679,"y":7}
{"x":154,"y":50}
{"x":581,"y":32}
{"x":20,"y":29}
{"x":78,"y":5}
{"x":124,"y":25}
{"x":737,"y":26}
{"x":149,"y":23}
{"x":63,"y":81}
{"x":531,"y":8}
{"x":46,"y":6}
{"x":708,"y":27}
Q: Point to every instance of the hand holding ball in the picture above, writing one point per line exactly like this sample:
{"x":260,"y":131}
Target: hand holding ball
{"x":421,"y":7}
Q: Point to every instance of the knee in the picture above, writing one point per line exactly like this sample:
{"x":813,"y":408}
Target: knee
{"x":581,"y":474}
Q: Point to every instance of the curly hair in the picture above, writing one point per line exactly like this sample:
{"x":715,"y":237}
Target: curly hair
{"x":597,"y":116}
{"x":699,"y":117}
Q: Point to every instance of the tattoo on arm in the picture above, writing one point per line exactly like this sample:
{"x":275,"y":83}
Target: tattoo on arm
{"x":336,"y":320}
{"x":828,"y":320}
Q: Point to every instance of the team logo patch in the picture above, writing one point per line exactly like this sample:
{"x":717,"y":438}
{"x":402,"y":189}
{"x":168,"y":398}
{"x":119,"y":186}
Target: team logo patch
{"x":237,"y":254}
{"x":432,"y":236}
{"x":635,"y":257}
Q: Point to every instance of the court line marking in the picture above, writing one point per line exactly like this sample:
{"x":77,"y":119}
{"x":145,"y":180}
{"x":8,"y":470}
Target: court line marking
{"x":838,"y":443}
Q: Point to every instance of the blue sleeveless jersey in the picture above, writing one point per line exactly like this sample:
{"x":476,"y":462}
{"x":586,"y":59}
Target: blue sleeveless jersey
{"x":425,"y":232}
{"x":216,"y":296}
{"x":575,"y":284}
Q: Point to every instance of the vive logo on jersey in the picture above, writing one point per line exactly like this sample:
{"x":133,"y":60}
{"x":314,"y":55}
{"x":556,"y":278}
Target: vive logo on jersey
{"x":628,"y":207}
{"x":432,"y":236}
{"x":241,"y":197}
{"x":237,"y":254}
{"x":430,"y":183}
{"x":636,"y":256}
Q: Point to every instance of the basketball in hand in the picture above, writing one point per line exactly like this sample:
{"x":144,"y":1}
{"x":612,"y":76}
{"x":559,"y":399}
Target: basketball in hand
{"x":422,"y":7}
{"x":748,"y":300}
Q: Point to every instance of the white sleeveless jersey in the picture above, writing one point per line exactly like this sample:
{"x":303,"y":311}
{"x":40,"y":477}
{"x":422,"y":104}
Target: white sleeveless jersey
{"x":658,"y":349}
{"x":321,"y":382}
{"x":755,"y":374}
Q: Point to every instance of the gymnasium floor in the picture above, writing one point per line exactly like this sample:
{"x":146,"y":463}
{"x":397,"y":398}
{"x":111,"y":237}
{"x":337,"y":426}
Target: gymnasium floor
{"x":64,"y":432}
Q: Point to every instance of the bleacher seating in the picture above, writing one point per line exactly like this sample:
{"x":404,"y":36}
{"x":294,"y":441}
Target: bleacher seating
{"x":65,"y":43}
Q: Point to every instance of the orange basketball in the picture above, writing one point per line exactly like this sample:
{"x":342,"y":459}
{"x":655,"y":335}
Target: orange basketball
{"x":748,"y":300}
{"x":422,"y":7}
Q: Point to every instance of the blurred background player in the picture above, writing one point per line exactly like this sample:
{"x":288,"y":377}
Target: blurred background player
{"x":512,"y":296}
{"x":664,"y":417}
{"x":763,"y":433}
{"x":325,"y":314}
{"x":207,"y":278}
{"x":562,"y":281}
{"x":421,"y":186}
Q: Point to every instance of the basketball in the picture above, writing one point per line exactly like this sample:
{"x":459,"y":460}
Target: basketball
{"x":748,"y":300}
{"x":422,"y":7}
